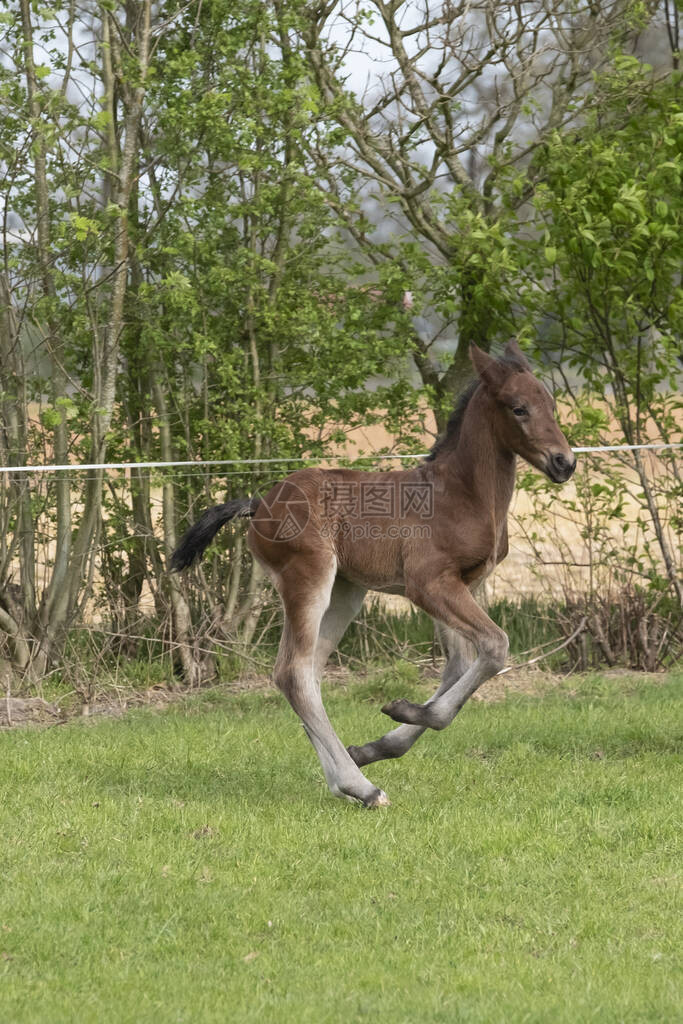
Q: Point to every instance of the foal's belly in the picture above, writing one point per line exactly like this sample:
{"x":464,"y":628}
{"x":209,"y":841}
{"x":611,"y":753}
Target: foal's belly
{"x":379,"y":588}
{"x":375,"y":563}
{"x":371,"y":582}
{"x":397,"y":588}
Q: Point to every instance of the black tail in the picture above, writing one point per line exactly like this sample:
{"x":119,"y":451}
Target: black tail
{"x":195,"y":542}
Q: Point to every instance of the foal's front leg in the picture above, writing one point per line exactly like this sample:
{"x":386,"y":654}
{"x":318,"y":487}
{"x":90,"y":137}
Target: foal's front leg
{"x":457,"y":609}
{"x":398,"y":741}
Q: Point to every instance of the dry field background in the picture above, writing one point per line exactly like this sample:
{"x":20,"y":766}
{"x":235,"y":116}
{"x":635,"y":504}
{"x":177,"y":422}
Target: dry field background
{"x":541,"y":567}
{"x":558,"y":561}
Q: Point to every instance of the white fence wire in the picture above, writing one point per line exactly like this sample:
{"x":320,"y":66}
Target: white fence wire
{"x":78,"y":466}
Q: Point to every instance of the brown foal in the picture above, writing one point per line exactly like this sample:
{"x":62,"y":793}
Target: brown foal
{"x":433,"y":533}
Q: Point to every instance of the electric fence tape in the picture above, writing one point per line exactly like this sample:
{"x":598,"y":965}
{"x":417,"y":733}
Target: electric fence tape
{"x":78,"y":466}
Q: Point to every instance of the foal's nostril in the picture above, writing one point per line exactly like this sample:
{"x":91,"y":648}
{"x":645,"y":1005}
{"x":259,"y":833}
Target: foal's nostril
{"x":562,"y":465}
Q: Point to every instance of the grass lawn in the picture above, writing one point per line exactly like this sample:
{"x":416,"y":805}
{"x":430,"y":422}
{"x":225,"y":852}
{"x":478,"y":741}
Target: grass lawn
{"x":190,"y":865}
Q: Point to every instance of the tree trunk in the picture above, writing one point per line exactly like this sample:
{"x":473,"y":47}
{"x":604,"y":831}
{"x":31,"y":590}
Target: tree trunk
{"x":196,"y":668}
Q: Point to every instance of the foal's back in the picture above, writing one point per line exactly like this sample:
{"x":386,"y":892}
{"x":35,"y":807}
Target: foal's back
{"x":369,"y":524}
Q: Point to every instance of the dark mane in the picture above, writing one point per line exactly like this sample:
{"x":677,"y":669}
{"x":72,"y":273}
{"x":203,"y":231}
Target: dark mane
{"x":450,"y":435}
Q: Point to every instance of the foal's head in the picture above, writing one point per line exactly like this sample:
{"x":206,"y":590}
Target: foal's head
{"x":524,"y":412}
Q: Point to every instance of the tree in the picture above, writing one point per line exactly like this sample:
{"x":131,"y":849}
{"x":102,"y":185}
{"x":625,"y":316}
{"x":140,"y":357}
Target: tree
{"x":609,"y":202}
{"x":181,"y":279}
{"x":68,"y":179}
{"x":446,"y":132}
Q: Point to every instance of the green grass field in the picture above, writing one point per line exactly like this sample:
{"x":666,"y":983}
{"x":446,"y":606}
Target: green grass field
{"x":190,"y":865}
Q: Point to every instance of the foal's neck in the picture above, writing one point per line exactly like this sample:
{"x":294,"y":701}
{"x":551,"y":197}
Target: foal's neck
{"x":478,"y":462}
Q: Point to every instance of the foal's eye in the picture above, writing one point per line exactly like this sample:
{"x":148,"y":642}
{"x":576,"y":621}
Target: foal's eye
{"x":519,"y":411}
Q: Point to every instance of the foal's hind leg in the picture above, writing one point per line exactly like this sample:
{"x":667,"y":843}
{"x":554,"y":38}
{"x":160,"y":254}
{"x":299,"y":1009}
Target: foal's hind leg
{"x":398,"y":741}
{"x":345,"y":602}
{"x":295,"y":675}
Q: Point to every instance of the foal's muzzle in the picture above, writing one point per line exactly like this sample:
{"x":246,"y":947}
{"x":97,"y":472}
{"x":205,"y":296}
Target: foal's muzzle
{"x":560,"y":468}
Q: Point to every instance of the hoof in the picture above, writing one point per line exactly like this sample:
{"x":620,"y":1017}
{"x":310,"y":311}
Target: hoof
{"x":404,"y":711}
{"x":411,"y":714}
{"x":358,"y":756}
{"x":379,"y":800}
{"x":376,"y":798}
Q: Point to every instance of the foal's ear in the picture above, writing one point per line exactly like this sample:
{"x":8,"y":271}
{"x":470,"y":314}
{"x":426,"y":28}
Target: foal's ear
{"x":492,"y":373}
{"x":515,"y":354}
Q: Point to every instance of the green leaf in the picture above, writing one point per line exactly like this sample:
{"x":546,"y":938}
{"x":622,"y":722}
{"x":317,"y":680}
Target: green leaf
{"x":84,"y":226}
